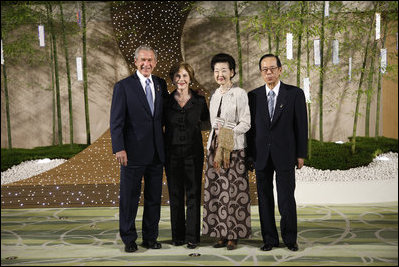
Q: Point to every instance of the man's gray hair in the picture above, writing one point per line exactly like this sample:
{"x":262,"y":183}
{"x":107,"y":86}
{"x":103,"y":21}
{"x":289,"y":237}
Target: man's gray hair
{"x":144,"y":47}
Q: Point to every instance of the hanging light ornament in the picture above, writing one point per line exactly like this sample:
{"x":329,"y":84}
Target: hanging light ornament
{"x":383,"y":60}
{"x":289,"y":46}
{"x":306,"y":89}
{"x":316,"y":48}
{"x":350,"y":69}
{"x":377,"y":25}
{"x":2,"y":57}
{"x":335,"y":58}
{"x":41,"y":35}
{"x":327,"y":9}
{"x":79,"y":68}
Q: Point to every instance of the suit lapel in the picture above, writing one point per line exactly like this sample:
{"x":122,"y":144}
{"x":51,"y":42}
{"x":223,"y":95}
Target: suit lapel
{"x":264,"y":106}
{"x":281,"y":102}
{"x":140,"y":93}
{"x":158,"y":94}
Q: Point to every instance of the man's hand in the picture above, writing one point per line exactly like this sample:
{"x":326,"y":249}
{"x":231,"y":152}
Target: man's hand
{"x":121,"y":156}
{"x":300,"y":162}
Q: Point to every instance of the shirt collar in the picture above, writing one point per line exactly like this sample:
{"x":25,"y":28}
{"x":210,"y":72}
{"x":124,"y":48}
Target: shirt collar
{"x":142,"y":78}
{"x":276,"y":88}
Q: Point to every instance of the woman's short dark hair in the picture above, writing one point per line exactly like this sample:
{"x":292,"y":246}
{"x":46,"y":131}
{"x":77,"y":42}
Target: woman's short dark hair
{"x":269,"y":55}
{"x":181,"y":65}
{"x":224,"y":58}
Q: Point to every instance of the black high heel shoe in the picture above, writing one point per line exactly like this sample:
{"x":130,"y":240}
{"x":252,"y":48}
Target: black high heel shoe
{"x":221,"y":243}
{"x":232,"y":244}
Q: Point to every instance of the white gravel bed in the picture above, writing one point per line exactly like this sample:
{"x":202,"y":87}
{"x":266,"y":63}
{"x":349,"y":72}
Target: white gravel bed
{"x":383,"y":167}
{"x":28,"y":169}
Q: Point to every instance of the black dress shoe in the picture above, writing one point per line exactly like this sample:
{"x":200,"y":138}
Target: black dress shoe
{"x":267,"y":247}
{"x":292,"y":247}
{"x":151,"y":244}
{"x":191,"y":245}
{"x":178,"y":243}
{"x":131,"y":248}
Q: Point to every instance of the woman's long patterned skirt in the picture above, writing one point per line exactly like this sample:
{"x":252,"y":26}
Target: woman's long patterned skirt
{"x":227,"y":203}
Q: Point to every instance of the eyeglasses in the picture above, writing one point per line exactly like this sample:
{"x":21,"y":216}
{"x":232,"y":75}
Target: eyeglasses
{"x":272,"y":69}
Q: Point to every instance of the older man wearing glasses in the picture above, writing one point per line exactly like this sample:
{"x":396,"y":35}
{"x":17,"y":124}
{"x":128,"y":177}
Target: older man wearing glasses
{"x":277,"y":141}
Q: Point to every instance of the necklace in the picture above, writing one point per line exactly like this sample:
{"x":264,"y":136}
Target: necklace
{"x":182,"y":99}
{"x":223,"y":90}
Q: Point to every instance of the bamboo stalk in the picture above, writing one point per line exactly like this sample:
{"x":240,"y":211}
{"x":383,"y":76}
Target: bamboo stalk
{"x":238,"y":37}
{"x":321,"y":75}
{"x":57,"y":82}
{"x":85,"y":74}
{"x":278,"y":29}
{"x":7,"y":107}
{"x":369,"y":91}
{"x":52,"y":79}
{"x":377,"y":116}
{"x":308,"y":75}
{"x":68,"y":76}
{"x":298,"y":65}
{"x":359,"y":91}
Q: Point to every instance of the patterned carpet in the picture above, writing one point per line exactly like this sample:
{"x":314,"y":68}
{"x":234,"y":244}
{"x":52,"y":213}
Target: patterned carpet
{"x":341,"y":235}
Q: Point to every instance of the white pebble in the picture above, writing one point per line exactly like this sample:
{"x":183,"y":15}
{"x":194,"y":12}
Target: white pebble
{"x":28,"y":169}
{"x":383,"y":167}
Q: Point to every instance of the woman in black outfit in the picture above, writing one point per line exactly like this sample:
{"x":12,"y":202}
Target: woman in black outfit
{"x":186,"y":114}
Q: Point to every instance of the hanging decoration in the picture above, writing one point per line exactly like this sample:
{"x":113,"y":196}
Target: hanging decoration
{"x":335,"y":58}
{"x":377,"y":25}
{"x":2,"y":57}
{"x":41,"y":35}
{"x":383,"y":60}
{"x":289,"y":46}
{"x":327,"y":9}
{"x":350,"y":70}
{"x":306,"y":89}
{"x":316,"y":48}
{"x":78,"y":15}
{"x":79,"y":18}
{"x":79,"y":69}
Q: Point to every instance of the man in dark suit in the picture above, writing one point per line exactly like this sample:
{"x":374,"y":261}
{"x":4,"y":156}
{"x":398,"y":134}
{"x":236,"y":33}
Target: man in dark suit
{"x":277,"y":141}
{"x":137,"y":141}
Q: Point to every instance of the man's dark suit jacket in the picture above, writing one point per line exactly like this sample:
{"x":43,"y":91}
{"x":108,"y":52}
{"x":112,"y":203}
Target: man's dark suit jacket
{"x":285,"y":138}
{"x":133,"y":127}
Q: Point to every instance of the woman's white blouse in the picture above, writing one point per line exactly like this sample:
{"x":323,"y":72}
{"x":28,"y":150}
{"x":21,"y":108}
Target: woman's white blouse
{"x":235,"y":112}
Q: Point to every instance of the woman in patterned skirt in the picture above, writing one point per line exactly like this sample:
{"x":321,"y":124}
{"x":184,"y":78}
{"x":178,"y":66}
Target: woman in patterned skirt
{"x":226,"y":189}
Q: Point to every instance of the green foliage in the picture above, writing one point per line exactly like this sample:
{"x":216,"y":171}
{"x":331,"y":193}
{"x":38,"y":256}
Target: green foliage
{"x":19,"y":22}
{"x":11,"y":157}
{"x":325,"y":156}
{"x":19,"y":35}
{"x":332,"y":156}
